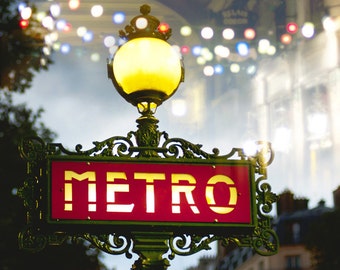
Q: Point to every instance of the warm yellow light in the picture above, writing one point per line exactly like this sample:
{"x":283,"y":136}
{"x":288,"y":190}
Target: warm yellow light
{"x":147,"y":64}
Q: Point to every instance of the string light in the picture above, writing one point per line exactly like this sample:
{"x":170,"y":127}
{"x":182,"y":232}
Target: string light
{"x":205,"y":55}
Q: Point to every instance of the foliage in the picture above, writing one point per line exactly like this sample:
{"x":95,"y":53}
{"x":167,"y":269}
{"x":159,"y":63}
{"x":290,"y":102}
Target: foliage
{"x":15,"y":122}
{"x":21,"y":49}
{"x":323,"y":241}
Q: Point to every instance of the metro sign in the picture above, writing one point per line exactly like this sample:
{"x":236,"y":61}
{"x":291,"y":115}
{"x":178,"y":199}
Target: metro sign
{"x":161,"y":194}
{"x":120,"y":197}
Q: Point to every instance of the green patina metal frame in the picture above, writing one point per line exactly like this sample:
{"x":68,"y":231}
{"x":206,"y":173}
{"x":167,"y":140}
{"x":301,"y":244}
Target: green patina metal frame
{"x":146,"y":144}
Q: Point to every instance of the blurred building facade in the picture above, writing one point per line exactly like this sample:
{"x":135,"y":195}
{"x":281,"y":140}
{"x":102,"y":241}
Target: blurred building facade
{"x":292,"y":100}
{"x":292,"y":226}
{"x":295,"y":103}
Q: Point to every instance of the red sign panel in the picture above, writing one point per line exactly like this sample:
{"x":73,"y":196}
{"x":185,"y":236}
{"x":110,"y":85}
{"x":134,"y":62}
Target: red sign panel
{"x":144,"y":192}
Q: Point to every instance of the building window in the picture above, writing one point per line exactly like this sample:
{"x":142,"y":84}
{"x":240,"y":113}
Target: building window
{"x":293,"y":262}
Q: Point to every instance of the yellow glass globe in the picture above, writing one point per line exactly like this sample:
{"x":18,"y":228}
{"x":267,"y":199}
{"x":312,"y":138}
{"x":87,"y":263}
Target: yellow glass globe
{"x":147,"y":66}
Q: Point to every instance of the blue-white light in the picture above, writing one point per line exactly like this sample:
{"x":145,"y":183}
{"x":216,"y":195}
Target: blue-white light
{"x":88,"y":37}
{"x":242,"y":48}
{"x":118,"y":17}
{"x":21,"y":6}
{"x":196,"y":50}
{"x":219,"y":69}
{"x":65,"y":48}
{"x":60,"y":24}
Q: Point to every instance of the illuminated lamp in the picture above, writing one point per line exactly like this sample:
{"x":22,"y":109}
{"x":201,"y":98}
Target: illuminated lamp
{"x":146,"y":70}
{"x":292,"y":27}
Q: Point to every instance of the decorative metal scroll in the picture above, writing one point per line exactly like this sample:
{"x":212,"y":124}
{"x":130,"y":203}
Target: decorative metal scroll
{"x":263,"y":239}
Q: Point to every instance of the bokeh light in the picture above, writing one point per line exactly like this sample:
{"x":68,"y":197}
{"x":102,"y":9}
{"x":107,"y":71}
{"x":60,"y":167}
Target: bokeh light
{"x":213,"y":52}
{"x":118,"y":17}
{"x":178,"y":107}
{"x":26,"y":13}
{"x":286,"y":39}
{"x":185,"y":49}
{"x":65,"y":48}
{"x":218,"y":69}
{"x":141,"y":23}
{"x":308,"y":30}
{"x":271,"y":50}
{"x":235,"y":68}
{"x":163,"y":27}
{"x":97,"y":11}
{"x":222,"y":51}
{"x":60,"y":24}
{"x":186,"y":31}
{"x":328,"y":24}
{"x":48,"y":22}
{"x":55,"y":10}
{"x":208,"y":71}
{"x":196,"y":50}
{"x":242,"y":48}
{"x":292,"y":27}
{"x":263,"y":46}
{"x":88,"y":36}
{"x":81,"y":31}
{"x":73,"y":4}
{"x":228,"y":34}
{"x":95,"y":57}
{"x":21,"y":6}
{"x":207,"y":32}
{"x":109,"y":41}
{"x":249,"y":33}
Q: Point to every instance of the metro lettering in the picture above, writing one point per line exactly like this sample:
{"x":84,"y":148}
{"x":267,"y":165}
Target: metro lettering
{"x":181,"y":183}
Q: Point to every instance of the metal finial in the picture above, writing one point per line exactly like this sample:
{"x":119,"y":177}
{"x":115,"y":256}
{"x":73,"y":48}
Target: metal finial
{"x":145,"y":9}
{"x":144,"y":25}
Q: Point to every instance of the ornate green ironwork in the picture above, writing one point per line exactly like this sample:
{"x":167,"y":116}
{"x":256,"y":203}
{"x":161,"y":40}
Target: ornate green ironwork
{"x":146,"y":142}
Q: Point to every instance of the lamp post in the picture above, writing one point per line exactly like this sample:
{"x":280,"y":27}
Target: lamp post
{"x":137,"y":194}
{"x":146,"y":71}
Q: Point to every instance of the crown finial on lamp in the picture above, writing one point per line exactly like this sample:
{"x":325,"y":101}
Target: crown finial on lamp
{"x":145,"y":25}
